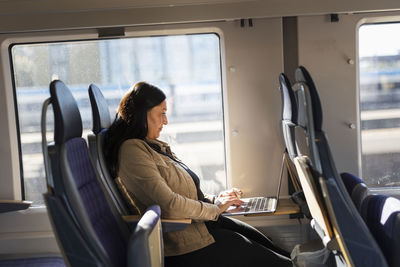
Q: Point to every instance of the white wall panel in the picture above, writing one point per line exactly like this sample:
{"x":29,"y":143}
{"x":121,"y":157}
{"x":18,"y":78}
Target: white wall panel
{"x":325,"y":49}
{"x":253,"y":63}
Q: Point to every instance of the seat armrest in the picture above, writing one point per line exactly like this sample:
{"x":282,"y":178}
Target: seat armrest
{"x":13,"y":205}
{"x":168,"y":225}
{"x":172,"y":225}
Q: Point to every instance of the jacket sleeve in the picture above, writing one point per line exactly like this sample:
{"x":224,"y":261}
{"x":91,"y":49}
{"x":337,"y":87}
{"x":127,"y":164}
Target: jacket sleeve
{"x":141,"y":176}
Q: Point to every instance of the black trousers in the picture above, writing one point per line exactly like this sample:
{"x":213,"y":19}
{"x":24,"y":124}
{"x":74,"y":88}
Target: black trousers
{"x":236,"y":244}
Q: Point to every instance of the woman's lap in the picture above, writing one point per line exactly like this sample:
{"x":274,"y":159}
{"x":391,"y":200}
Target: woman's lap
{"x":251,"y":233}
{"x":231,"y":248}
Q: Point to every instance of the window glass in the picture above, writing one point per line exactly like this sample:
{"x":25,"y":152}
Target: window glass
{"x":186,"y":67}
{"x":379,"y":70}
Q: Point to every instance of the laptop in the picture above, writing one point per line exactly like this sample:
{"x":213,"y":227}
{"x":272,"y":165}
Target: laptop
{"x":257,"y":205}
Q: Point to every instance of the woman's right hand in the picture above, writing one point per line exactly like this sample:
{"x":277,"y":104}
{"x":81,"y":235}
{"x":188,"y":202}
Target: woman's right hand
{"x":223,"y":202}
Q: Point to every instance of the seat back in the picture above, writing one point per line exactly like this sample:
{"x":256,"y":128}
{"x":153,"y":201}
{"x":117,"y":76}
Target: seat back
{"x":100,"y":112}
{"x":73,"y":181}
{"x":382,"y":215}
{"x":101,"y":122}
{"x":310,"y":185}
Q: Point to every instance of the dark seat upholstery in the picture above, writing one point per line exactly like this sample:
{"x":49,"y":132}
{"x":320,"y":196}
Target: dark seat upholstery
{"x":382,"y":215}
{"x":101,"y":122}
{"x":358,"y":245}
{"x":100,"y":112}
{"x":89,"y":229}
{"x":356,"y":188}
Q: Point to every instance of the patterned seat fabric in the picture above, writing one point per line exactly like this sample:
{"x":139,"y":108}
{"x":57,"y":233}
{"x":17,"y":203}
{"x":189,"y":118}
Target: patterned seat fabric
{"x":94,"y":200}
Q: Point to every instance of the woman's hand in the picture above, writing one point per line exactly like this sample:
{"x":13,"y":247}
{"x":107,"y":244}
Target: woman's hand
{"x":231,"y":192}
{"x":228,"y":198}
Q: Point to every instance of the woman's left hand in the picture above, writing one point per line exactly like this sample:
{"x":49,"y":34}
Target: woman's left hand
{"x":233,"y":194}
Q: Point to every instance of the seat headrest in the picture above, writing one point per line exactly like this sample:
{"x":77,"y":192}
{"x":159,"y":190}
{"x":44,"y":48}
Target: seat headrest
{"x":350,"y":181}
{"x":289,"y":106}
{"x":67,"y":119}
{"x":100,"y":113}
{"x":358,"y":194}
{"x":302,"y":75}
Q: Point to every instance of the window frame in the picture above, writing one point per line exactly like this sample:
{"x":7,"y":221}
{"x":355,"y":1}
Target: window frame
{"x":12,"y":40}
{"x":387,"y":190}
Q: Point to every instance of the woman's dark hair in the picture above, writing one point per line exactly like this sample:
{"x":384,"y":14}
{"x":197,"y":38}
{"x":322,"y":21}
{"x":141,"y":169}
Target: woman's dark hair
{"x":131,"y":120}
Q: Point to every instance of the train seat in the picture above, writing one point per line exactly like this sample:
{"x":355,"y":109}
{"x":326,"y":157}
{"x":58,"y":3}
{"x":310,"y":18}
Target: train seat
{"x":356,"y":188}
{"x":382,"y":215}
{"x":353,"y":236}
{"x":116,"y":190}
{"x":89,"y":229}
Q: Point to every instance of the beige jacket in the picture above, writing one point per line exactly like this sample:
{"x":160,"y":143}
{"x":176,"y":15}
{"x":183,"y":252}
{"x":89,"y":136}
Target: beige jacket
{"x":153,"y":178}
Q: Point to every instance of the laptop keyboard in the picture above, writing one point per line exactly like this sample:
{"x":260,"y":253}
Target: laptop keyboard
{"x":260,"y":204}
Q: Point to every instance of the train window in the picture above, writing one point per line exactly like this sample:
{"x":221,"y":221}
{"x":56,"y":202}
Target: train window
{"x":379,"y":79}
{"x":186,"y":67}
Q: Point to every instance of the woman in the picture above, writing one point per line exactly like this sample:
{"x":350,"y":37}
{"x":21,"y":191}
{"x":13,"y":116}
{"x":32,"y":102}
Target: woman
{"x":152,"y":174}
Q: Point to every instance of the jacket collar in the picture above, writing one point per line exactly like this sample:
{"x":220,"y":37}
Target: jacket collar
{"x":163,"y":146}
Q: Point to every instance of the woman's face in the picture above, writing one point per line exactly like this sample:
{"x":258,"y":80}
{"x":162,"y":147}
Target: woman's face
{"x":156,"y":118}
